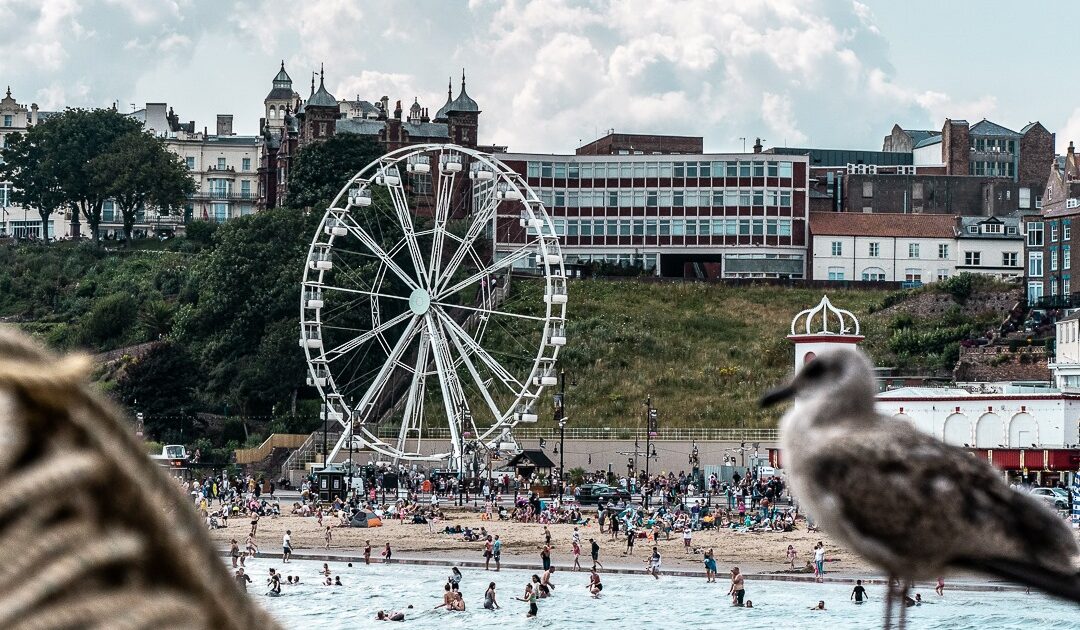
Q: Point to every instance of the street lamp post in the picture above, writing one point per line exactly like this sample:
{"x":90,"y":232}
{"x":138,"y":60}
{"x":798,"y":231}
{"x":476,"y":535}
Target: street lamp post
{"x":650,"y":431}
{"x":560,"y":416}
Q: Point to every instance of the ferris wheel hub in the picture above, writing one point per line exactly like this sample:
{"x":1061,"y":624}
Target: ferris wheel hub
{"x":419,"y":301}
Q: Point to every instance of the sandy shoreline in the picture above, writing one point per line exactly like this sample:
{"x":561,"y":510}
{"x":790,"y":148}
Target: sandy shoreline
{"x":761,"y":555}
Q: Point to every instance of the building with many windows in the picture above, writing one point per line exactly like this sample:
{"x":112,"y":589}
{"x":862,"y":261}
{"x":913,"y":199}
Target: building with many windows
{"x":17,"y":220}
{"x":698,"y":215}
{"x":912,"y":248}
{"x":991,"y":246}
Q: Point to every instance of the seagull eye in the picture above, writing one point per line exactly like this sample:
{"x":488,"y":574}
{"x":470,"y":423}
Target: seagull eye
{"x":814,"y":369}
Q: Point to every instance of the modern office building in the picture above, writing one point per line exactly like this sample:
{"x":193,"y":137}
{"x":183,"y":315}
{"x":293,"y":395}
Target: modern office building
{"x":697,"y":215}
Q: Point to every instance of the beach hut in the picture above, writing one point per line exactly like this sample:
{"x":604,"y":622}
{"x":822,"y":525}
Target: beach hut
{"x":532,"y":461}
{"x":331,"y":480}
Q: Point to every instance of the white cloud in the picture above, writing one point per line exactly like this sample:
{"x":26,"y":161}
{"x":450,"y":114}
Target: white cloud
{"x":546,"y":73}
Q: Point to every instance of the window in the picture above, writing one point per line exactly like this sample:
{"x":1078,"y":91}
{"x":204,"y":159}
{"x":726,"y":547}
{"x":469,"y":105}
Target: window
{"x":219,"y":212}
{"x":545,"y":170}
{"x":1053,"y":286}
{"x":1038,"y":201}
{"x":973,"y":229}
{"x":190,"y":160}
{"x":245,"y":188}
{"x":1065,"y":288}
{"x":942,"y":274}
{"x":246,"y":164}
{"x":1053,"y":259}
{"x":868,"y":189}
{"x":875,"y":251}
{"x":1024,"y":198}
{"x":533,"y":169}
{"x":973,"y":259}
{"x":836,"y":273}
{"x":1035,"y":233}
{"x":5,"y":194}
{"x":837,"y":248}
{"x":913,"y":250}
{"x":771,"y":170}
{"x":1066,"y":257}
{"x":916,"y":190}
{"x":913,"y":275}
{"x":785,"y":169}
{"x":221,"y":163}
{"x":943,"y":250}
{"x":1035,"y":291}
{"x":1008,"y":259}
{"x":1066,"y":229}
{"x":1035,"y":264}
{"x":1011,"y":230}
{"x":560,"y":170}
{"x":997,"y":228}
{"x":1053,"y":231}
{"x":9,"y":120}
{"x":873,"y":274}
{"x":785,"y":199}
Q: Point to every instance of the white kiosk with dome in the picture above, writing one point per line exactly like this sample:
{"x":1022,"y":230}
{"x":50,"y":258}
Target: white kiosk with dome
{"x":821,"y":328}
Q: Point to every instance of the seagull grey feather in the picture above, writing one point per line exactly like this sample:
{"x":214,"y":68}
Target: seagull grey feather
{"x":907,"y":502}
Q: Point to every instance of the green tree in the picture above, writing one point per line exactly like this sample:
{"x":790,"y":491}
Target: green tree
{"x":242,"y":319}
{"x":75,"y":138}
{"x":321,"y":169}
{"x":138,"y":171}
{"x":33,"y":178}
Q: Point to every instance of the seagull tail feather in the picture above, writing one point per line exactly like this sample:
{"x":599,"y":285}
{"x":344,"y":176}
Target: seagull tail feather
{"x":1049,"y":580}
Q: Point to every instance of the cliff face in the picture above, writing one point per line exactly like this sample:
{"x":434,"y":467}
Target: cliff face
{"x":998,"y":363}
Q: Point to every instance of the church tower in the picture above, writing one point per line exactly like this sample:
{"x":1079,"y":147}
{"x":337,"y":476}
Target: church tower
{"x":319,"y":115}
{"x":278,"y":100}
{"x":462,"y":115}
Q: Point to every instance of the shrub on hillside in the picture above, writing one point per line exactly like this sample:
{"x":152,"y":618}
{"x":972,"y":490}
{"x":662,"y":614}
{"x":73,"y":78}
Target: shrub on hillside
{"x":111,"y":320}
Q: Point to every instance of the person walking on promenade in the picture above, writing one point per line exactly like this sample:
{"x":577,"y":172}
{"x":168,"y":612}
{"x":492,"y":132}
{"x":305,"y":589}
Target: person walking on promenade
{"x":596,"y":554}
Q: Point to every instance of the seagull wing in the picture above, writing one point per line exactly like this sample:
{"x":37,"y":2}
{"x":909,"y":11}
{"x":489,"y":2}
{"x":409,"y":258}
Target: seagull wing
{"x":914,"y":502}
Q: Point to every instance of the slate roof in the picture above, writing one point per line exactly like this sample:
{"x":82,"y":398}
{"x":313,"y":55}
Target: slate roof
{"x":918,"y":135}
{"x":927,"y":141}
{"x":534,"y":457}
{"x":986,"y":128}
{"x":884,"y":224}
{"x":365,"y":127}
{"x":1006,"y":222}
{"x":322,"y":98}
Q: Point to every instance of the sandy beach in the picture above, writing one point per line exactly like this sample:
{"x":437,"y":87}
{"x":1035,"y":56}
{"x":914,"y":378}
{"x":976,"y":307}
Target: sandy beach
{"x":762,"y":552}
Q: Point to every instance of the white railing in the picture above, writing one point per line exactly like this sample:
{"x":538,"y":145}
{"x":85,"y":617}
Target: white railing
{"x":619,"y":433}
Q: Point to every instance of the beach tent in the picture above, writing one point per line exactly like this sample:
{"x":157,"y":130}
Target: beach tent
{"x":365,"y":519}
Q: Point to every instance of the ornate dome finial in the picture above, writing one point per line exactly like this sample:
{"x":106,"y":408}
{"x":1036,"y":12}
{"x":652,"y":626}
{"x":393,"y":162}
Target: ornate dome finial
{"x":841,"y":322}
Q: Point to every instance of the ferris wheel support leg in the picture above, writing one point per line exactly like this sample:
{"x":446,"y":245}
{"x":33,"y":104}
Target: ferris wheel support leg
{"x":446,"y":387}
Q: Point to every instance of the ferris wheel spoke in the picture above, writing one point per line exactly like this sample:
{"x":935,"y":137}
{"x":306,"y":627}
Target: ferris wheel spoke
{"x":365,"y":238}
{"x":481,"y":219}
{"x":387,"y":369}
{"x":492,"y":364}
{"x":488,"y":311}
{"x":442,"y":212}
{"x":336,"y":353}
{"x":404,"y":216}
{"x":454,"y":408}
{"x":495,"y":411}
{"x":453,"y":379}
{"x":414,"y":403}
{"x":363,"y":292}
{"x":498,"y":265}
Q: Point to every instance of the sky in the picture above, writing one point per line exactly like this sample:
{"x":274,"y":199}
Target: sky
{"x":552,"y":74}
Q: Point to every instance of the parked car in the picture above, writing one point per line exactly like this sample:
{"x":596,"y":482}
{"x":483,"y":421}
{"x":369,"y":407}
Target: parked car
{"x":593,"y":492}
{"x":1054,"y":497}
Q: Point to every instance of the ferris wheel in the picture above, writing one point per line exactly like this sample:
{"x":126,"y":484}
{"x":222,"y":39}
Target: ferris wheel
{"x":411,"y":324}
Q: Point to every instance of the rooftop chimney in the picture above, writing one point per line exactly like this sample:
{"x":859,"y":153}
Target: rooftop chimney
{"x":757,"y":145}
{"x":224,"y":125}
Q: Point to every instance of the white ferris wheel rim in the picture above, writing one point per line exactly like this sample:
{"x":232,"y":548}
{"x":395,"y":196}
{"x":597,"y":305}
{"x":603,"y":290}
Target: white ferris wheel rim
{"x":426,"y":316}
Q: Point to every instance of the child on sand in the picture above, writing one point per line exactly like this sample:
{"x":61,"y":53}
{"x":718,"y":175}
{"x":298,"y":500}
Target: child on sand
{"x":791,"y":555}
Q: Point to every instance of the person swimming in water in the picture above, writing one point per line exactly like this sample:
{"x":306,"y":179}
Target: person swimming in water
{"x":859,"y":593}
{"x":594,"y":585}
{"x":820,"y":605}
{"x":242,"y":579}
{"x":337,"y":580}
{"x":387,"y":615}
{"x":489,"y":598}
{"x":447,"y":598}
{"x":530,"y":597}
{"x":749,"y":604}
{"x":274,"y":582}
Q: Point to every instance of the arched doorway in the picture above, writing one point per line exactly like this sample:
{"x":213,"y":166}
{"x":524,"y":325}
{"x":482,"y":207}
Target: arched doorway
{"x":989,"y":431}
{"x":1023,"y":431}
{"x":957,"y":430}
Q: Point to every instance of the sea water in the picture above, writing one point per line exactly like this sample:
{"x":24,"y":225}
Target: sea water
{"x":627,"y":601}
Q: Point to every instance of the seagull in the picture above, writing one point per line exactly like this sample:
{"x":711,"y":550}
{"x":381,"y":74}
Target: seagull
{"x":905,"y":501}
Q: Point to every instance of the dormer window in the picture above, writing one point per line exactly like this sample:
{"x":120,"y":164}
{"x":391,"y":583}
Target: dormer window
{"x":992,"y":228}
{"x":973,"y":229}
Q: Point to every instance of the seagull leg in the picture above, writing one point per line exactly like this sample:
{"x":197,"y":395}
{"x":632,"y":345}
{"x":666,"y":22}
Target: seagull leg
{"x":888,"y":603}
{"x":903,"y":603}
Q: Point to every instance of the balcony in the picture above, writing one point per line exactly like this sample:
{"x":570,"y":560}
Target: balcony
{"x":227,"y":171}
{"x":222,"y":195}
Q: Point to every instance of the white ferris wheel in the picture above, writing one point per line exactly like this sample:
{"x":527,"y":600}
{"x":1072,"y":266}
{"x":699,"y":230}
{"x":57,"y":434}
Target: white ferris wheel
{"x":411,"y":325}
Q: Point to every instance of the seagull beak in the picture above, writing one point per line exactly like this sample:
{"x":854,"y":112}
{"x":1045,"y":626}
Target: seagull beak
{"x":777,"y":395}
